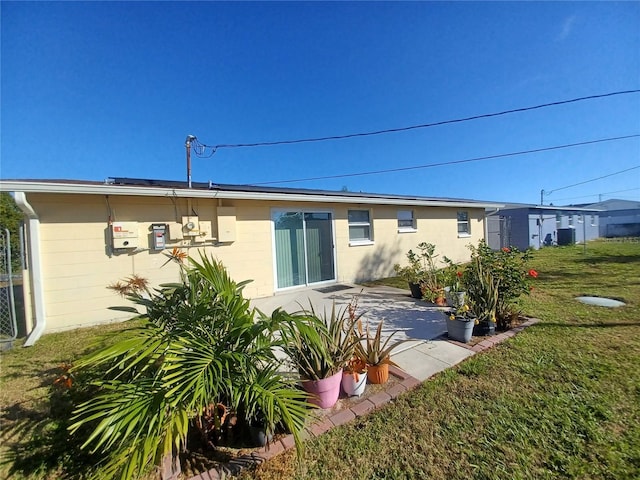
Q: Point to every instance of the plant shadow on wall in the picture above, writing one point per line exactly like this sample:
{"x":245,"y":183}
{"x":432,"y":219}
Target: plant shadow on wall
{"x":201,"y":368}
{"x":378,"y":263}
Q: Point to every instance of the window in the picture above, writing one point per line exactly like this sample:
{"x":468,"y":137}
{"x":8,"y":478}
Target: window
{"x":558,"y":220}
{"x":571,"y":220}
{"x":464,"y":228}
{"x":593,"y":220}
{"x":406,"y":222}
{"x":359,"y":226}
{"x":580,"y":218}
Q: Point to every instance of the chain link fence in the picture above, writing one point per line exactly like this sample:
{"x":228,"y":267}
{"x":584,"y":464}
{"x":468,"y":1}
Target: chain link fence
{"x":8,"y":324}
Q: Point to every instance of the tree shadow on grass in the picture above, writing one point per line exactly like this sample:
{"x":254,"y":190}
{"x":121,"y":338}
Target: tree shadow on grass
{"x":39,"y":442}
{"x":603,"y":259}
{"x":592,"y":325}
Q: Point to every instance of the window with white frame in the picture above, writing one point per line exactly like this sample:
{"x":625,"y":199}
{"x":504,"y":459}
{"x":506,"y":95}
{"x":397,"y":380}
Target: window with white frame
{"x":464,"y":227}
{"x":558,"y":220}
{"x":580,"y":218}
{"x":406,"y":221}
{"x":593,"y":220}
{"x":359,"y":226}
{"x":571,"y":220}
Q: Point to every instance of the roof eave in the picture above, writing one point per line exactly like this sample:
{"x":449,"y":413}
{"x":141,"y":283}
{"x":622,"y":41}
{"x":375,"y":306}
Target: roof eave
{"x":110,"y":189}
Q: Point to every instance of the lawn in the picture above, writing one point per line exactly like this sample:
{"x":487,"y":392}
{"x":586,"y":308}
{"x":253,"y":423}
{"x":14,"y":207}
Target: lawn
{"x":560,"y":400}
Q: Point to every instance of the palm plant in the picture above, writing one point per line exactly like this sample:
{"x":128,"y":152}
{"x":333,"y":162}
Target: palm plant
{"x":200,"y":344}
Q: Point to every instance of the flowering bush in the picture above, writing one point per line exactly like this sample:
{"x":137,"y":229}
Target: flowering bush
{"x":508,"y":268}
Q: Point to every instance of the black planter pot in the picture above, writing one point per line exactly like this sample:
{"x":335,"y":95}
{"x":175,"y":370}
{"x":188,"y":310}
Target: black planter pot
{"x":415,"y":290}
{"x":484,"y":329}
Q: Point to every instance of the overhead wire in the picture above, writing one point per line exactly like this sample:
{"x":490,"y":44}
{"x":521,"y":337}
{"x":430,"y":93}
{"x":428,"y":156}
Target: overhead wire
{"x":202,"y":147}
{"x":591,"y":180}
{"x":597,"y":194}
{"x":453,"y":162}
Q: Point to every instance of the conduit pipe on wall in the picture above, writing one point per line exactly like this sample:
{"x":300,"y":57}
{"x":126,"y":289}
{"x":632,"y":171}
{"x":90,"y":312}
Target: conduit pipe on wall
{"x":36,"y":268}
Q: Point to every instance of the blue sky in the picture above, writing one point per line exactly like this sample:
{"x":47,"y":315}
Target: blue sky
{"x":92,"y":90}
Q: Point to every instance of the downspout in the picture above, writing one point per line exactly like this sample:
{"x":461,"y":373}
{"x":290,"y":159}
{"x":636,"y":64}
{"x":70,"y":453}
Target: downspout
{"x":36,"y":268}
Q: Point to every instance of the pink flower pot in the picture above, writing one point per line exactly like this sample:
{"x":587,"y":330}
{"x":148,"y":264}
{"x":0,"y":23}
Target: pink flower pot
{"x":324,"y":393}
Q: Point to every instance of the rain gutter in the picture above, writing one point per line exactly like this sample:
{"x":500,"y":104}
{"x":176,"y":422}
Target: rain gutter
{"x":110,"y":189}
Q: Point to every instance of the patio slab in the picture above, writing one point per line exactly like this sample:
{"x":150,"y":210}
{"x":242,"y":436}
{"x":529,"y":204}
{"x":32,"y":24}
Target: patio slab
{"x":419,"y":323}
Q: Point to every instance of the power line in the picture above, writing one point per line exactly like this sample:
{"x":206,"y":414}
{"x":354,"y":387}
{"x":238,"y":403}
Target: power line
{"x":201,"y":147}
{"x":592,"y":180}
{"x":597,"y":194}
{"x":453,"y":162}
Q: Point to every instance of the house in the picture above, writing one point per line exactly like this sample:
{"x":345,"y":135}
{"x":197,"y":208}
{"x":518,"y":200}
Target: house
{"x":618,"y":218}
{"x":83,"y":236}
{"x":534,"y":226}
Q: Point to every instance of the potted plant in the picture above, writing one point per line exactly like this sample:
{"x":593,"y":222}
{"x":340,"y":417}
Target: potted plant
{"x":454,"y":291}
{"x":422,"y":274}
{"x":376,"y":353}
{"x":320,"y":347}
{"x":354,"y":377}
{"x":411,"y":273}
{"x":460,"y":323}
{"x":482,"y":292}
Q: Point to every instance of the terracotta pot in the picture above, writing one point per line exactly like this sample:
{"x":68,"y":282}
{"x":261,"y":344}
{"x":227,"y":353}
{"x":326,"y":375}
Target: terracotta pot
{"x":324,"y":392}
{"x":377,"y":374}
{"x":353,"y":383}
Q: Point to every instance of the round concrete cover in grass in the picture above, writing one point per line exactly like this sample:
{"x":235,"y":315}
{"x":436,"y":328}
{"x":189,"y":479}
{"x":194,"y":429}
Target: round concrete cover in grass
{"x":601,"y":301}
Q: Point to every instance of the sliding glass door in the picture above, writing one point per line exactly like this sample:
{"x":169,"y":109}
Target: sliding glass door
{"x":303,"y":247}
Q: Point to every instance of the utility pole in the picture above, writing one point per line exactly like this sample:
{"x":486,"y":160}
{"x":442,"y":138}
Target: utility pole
{"x":187,"y":145}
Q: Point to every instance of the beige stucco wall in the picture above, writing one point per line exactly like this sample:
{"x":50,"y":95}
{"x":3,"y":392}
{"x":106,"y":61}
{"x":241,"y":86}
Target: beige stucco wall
{"x":78,"y":263}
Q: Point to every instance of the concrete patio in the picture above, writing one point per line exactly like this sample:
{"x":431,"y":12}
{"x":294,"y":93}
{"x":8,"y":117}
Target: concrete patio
{"x":425,"y":354}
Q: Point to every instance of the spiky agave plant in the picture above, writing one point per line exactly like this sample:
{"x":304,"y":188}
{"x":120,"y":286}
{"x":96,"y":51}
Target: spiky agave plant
{"x":321,"y":345}
{"x":200,"y":343}
{"x":374,"y":351}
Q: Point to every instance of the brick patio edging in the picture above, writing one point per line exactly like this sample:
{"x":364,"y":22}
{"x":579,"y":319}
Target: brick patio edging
{"x":171,"y":471}
{"x":497,"y":338}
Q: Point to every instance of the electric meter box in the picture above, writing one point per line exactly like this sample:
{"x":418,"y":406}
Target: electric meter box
{"x":124,"y":234}
{"x":159,"y":235}
{"x":190,"y":226}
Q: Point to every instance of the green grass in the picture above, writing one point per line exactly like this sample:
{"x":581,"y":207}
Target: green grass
{"x":33,"y":440}
{"x":560,"y":400}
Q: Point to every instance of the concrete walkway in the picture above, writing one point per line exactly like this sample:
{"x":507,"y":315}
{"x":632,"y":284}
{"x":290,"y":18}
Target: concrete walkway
{"x":414,"y":320}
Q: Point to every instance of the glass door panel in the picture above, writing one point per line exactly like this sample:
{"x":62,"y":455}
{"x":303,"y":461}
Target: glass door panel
{"x":319,"y":239}
{"x":304,"y":248}
{"x":290,"y":257}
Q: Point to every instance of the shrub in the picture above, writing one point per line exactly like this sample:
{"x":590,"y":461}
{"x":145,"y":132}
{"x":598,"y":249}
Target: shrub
{"x":508,"y":269}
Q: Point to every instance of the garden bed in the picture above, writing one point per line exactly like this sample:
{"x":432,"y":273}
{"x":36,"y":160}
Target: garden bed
{"x":228,"y":460}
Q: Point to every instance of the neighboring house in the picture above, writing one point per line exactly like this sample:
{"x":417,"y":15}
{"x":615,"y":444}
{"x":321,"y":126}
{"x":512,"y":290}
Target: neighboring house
{"x":83,"y":236}
{"x":534,"y":226}
{"x":618,"y":218}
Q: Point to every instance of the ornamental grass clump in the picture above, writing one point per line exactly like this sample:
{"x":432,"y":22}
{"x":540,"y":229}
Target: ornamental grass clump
{"x":498,"y":278}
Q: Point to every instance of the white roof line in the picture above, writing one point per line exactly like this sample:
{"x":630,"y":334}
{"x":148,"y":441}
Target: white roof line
{"x":110,"y":189}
